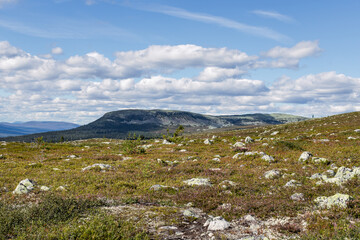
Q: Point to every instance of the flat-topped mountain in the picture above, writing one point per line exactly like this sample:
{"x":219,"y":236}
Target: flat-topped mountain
{"x":150,"y":123}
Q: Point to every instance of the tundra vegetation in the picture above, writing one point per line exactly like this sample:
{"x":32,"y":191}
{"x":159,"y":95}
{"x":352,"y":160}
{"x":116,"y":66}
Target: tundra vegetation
{"x":297,"y":180}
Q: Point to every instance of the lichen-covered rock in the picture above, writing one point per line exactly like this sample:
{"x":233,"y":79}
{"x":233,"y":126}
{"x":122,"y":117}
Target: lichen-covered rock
{"x":166,"y":142}
{"x":198,"y":182}
{"x":337,"y":200}
{"x":99,"y":165}
{"x":190,"y":213}
{"x":217,"y":224}
{"x":342,"y":175}
{"x":272,"y":174}
{"x":239,"y":144}
{"x":305,"y":156}
{"x":216,"y":159}
{"x":25,"y":186}
{"x":316,"y":176}
{"x":268,"y":158}
{"x":227,"y":183}
{"x":292,"y":183}
{"x":208,"y":142}
{"x":297,"y":197}
{"x":320,"y":160}
{"x":44,"y":188}
{"x":249,"y":140}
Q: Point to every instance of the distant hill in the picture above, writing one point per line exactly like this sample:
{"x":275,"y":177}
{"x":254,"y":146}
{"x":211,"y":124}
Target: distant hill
{"x":25,"y":128}
{"x":152,"y":123}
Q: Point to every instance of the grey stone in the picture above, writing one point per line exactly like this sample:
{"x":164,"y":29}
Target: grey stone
{"x":272,"y":174}
{"x":268,"y":158}
{"x":249,"y":140}
{"x":189,"y":213}
{"x":337,"y":200}
{"x":292,"y":183}
{"x":100,"y":165}
{"x":216,"y":224}
{"x":25,"y":186}
{"x":239,"y":144}
{"x":198,"y":182}
{"x":44,"y":188}
{"x":305,"y":156}
{"x":208,"y":142}
{"x":297,"y":197}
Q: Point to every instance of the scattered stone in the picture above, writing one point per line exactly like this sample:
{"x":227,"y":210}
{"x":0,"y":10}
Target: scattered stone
{"x":216,"y":159}
{"x":357,"y":130}
{"x":342,"y":175}
{"x":249,"y":140}
{"x":337,"y":200}
{"x":208,"y":142}
{"x":265,"y":144}
{"x":216,"y":224}
{"x":72,"y":156}
{"x":305,"y":156}
{"x":61,"y":188}
{"x":44,"y":188}
{"x":102,"y":166}
{"x":25,"y":186}
{"x":351,"y":138}
{"x":238,"y":155}
{"x":157,"y":187}
{"x":239,"y":144}
{"x":272,"y":174}
{"x":297,"y":197}
{"x":183,"y":150}
{"x":56,"y":169}
{"x":227,"y":183}
{"x":166,"y":142}
{"x":274,"y":133}
{"x":167,"y":228}
{"x":198,"y":182}
{"x":2,"y":156}
{"x":320,"y":160}
{"x":292,"y":183}
{"x":330,"y":173}
{"x":316,"y":176}
{"x":146,"y":147}
{"x":268,"y":158}
{"x":190,"y":213}
{"x":191,"y":140}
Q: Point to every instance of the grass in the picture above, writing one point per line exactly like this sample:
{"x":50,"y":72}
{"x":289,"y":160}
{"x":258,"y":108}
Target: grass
{"x":76,"y":212}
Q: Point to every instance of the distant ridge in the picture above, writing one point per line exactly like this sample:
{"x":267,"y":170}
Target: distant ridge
{"x":151,"y":123}
{"x":24,"y":128}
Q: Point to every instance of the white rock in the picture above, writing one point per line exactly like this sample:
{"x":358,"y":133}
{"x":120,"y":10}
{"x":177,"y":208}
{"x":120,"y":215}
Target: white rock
{"x":190,"y":213}
{"x":274,"y":133}
{"x":249,"y":140}
{"x":198,"y":182}
{"x":357,"y":130}
{"x":338,"y":200}
{"x":44,"y":188}
{"x":320,"y":160}
{"x":25,"y":186}
{"x":305,"y":156}
{"x":297,"y":197}
{"x":227,"y":183}
{"x":216,"y":159}
{"x":272,"y":174}
{"x":267,"y":158}
{"x":351,"y":138}
{"x":208,"y":142}
{"x":166,"y":142}
{"x":216,"y":224}
{"x":239,"y":144}
{"x":292,"y":183}
{"x":183,"y":150}
{"x":61,"y":188}
{"x":100,"y":165}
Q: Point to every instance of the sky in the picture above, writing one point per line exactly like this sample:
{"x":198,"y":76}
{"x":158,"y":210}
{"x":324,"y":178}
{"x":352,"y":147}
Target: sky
{"x":74,"y":60}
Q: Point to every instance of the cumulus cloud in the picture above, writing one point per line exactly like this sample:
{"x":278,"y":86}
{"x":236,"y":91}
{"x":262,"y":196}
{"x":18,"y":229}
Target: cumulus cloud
{"x":82,"y":87}
{"x":57,"y":50}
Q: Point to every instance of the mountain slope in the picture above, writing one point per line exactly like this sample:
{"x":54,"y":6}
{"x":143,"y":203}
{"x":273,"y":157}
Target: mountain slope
{"x":23,"y":128}
{"x":119,"y":124}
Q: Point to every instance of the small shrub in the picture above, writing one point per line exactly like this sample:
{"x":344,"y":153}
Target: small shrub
{"x":132,"y":145}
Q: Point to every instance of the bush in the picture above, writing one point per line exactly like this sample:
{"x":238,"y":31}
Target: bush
{"x":132,"y":145}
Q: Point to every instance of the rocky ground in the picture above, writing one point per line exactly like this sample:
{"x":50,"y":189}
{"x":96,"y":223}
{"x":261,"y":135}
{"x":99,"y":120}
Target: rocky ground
{"x":292,"y":181}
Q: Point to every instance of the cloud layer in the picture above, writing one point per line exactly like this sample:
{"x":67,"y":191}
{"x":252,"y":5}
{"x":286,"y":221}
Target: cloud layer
{"x":81,"y":88}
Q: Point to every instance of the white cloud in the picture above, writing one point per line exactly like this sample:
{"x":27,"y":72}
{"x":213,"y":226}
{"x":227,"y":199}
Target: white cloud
{"x":81,"y":88}
{"x":274,"y":15}
{"x":301,"y":50}
{"x":57,"y":50}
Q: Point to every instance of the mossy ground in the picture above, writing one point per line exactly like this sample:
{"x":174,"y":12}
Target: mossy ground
{"x":132,"y":175}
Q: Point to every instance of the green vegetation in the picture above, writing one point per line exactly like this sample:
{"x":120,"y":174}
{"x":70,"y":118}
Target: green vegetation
{"x":119,"y":202}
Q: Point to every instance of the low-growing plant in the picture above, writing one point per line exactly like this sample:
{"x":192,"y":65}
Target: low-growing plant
{"x":132,"y":145}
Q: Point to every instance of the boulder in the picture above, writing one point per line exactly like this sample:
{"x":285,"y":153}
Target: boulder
{"x":25,"y":186}
{"x":208,"y":142}
{"x":320,"y":160}
{"x":216,"y":224}
{"x":99,"y":165}
{"x":198,"y":182}
{"x":342,"y":175}
{"x":249,"y":140}
{"x":239,"y":144}
{"x":272,"y":174}
{"x":190,"y":213}
{"x":292,"y":183}
{"x":337,"y":200}
{"x":297,"y":197}
{"x":268,"y":158}
{"x":305,"y":156}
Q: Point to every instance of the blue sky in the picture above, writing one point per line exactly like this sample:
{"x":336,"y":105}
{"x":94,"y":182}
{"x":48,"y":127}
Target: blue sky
{"x":76,"y":60}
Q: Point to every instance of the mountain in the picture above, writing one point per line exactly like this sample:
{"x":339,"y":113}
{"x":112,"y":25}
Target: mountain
{"x":150,"y":123}
{"x":23,"y":128}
